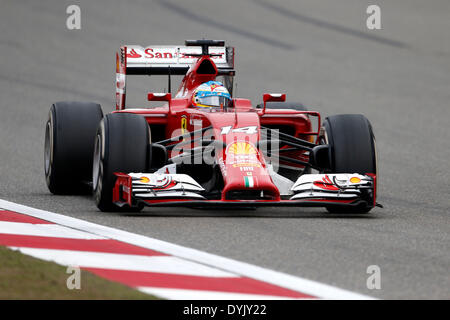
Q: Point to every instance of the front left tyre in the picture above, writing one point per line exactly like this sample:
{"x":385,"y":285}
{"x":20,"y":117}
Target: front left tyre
{"x":352,"y":149}
{"x":69,"y":143}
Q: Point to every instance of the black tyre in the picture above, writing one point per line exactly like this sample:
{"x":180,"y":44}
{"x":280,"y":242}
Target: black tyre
{"x":352,"y":150}
{"x":121,"y":145}
{"x":69,"y":143}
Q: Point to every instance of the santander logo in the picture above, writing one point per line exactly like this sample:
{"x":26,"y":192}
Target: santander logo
{"x":133,"y":54}
{"x":326,"y":184}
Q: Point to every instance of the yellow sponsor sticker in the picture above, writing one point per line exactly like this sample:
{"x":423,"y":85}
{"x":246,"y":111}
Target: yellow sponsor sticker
{"x":144,"y":180}
{"x":355,"y":180}
{"x":242,"y":148}
{"x":183,"y":124}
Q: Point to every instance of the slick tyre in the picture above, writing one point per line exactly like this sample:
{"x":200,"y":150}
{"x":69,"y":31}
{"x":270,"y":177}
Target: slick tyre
{"x":352,"y":150}
{"x":121,"y":145}
{"x":69,"y":143}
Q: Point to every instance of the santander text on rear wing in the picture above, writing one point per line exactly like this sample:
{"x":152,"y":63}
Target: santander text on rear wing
{"x":173,"y":59}
{"x":165,"y":60}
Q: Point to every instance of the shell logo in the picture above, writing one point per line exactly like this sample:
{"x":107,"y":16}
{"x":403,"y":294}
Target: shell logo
{"x":242,"y":148}
{"x":144,"y":180}
{"x":355,"y":180}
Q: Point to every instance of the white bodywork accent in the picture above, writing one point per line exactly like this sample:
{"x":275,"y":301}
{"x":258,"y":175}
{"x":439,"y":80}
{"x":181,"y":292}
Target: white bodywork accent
{"x":283,"y":184}
{"x":170,"y":168}
{"x":175,"y":56}
{"x":163,"y":185}
{"x":170,"y":195}
{"x":311,"y":195}
{"x":340,"y":185}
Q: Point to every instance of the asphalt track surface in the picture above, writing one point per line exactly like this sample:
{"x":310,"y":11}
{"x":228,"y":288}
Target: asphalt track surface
{"x":319,"y":53}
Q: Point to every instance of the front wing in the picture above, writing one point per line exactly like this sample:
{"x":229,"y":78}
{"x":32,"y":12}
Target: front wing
{"x":181,"y":190}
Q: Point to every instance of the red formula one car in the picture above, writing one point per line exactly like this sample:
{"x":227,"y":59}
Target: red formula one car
{"x":205,"y":148}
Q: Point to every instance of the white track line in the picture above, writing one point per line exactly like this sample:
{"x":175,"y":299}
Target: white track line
{"x":183,"y":294}
{"x":44,"y":230}
{"x":245,"y":269}
{"x":127,"y":262}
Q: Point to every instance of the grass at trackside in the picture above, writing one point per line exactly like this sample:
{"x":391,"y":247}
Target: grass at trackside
{"x":24,"y":277}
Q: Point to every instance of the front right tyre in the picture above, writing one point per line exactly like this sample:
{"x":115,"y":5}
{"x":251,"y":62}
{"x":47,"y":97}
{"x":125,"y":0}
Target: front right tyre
{"x":121,"y":145}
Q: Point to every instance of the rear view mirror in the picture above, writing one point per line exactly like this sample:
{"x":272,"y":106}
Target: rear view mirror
{"x":273,"y":97}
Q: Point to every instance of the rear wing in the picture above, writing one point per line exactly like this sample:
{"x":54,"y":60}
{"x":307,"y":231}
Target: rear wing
{"x":165,"y":60}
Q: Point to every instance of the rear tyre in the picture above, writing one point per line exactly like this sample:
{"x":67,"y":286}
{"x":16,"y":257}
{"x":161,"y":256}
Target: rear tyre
{"x":121,"y":145}
{"x":352,"y":150}
{"x":69,"y":143}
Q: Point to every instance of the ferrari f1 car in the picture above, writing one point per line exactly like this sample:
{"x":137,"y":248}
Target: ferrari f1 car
{"x":205,"y":148}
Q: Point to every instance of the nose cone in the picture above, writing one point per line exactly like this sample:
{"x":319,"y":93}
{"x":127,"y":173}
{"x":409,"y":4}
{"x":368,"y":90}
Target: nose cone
{"x":247,"y":177}
{"x":242,"y":164}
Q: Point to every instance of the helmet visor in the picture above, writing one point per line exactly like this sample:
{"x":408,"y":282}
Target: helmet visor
{"x":215,"y":101}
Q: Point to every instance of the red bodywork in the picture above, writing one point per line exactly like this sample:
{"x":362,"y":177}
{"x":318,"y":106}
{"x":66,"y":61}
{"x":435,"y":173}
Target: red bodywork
{"x":177,"y":116}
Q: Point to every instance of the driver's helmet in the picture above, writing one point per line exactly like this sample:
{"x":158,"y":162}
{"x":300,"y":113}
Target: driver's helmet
{"x":211,"y":94}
